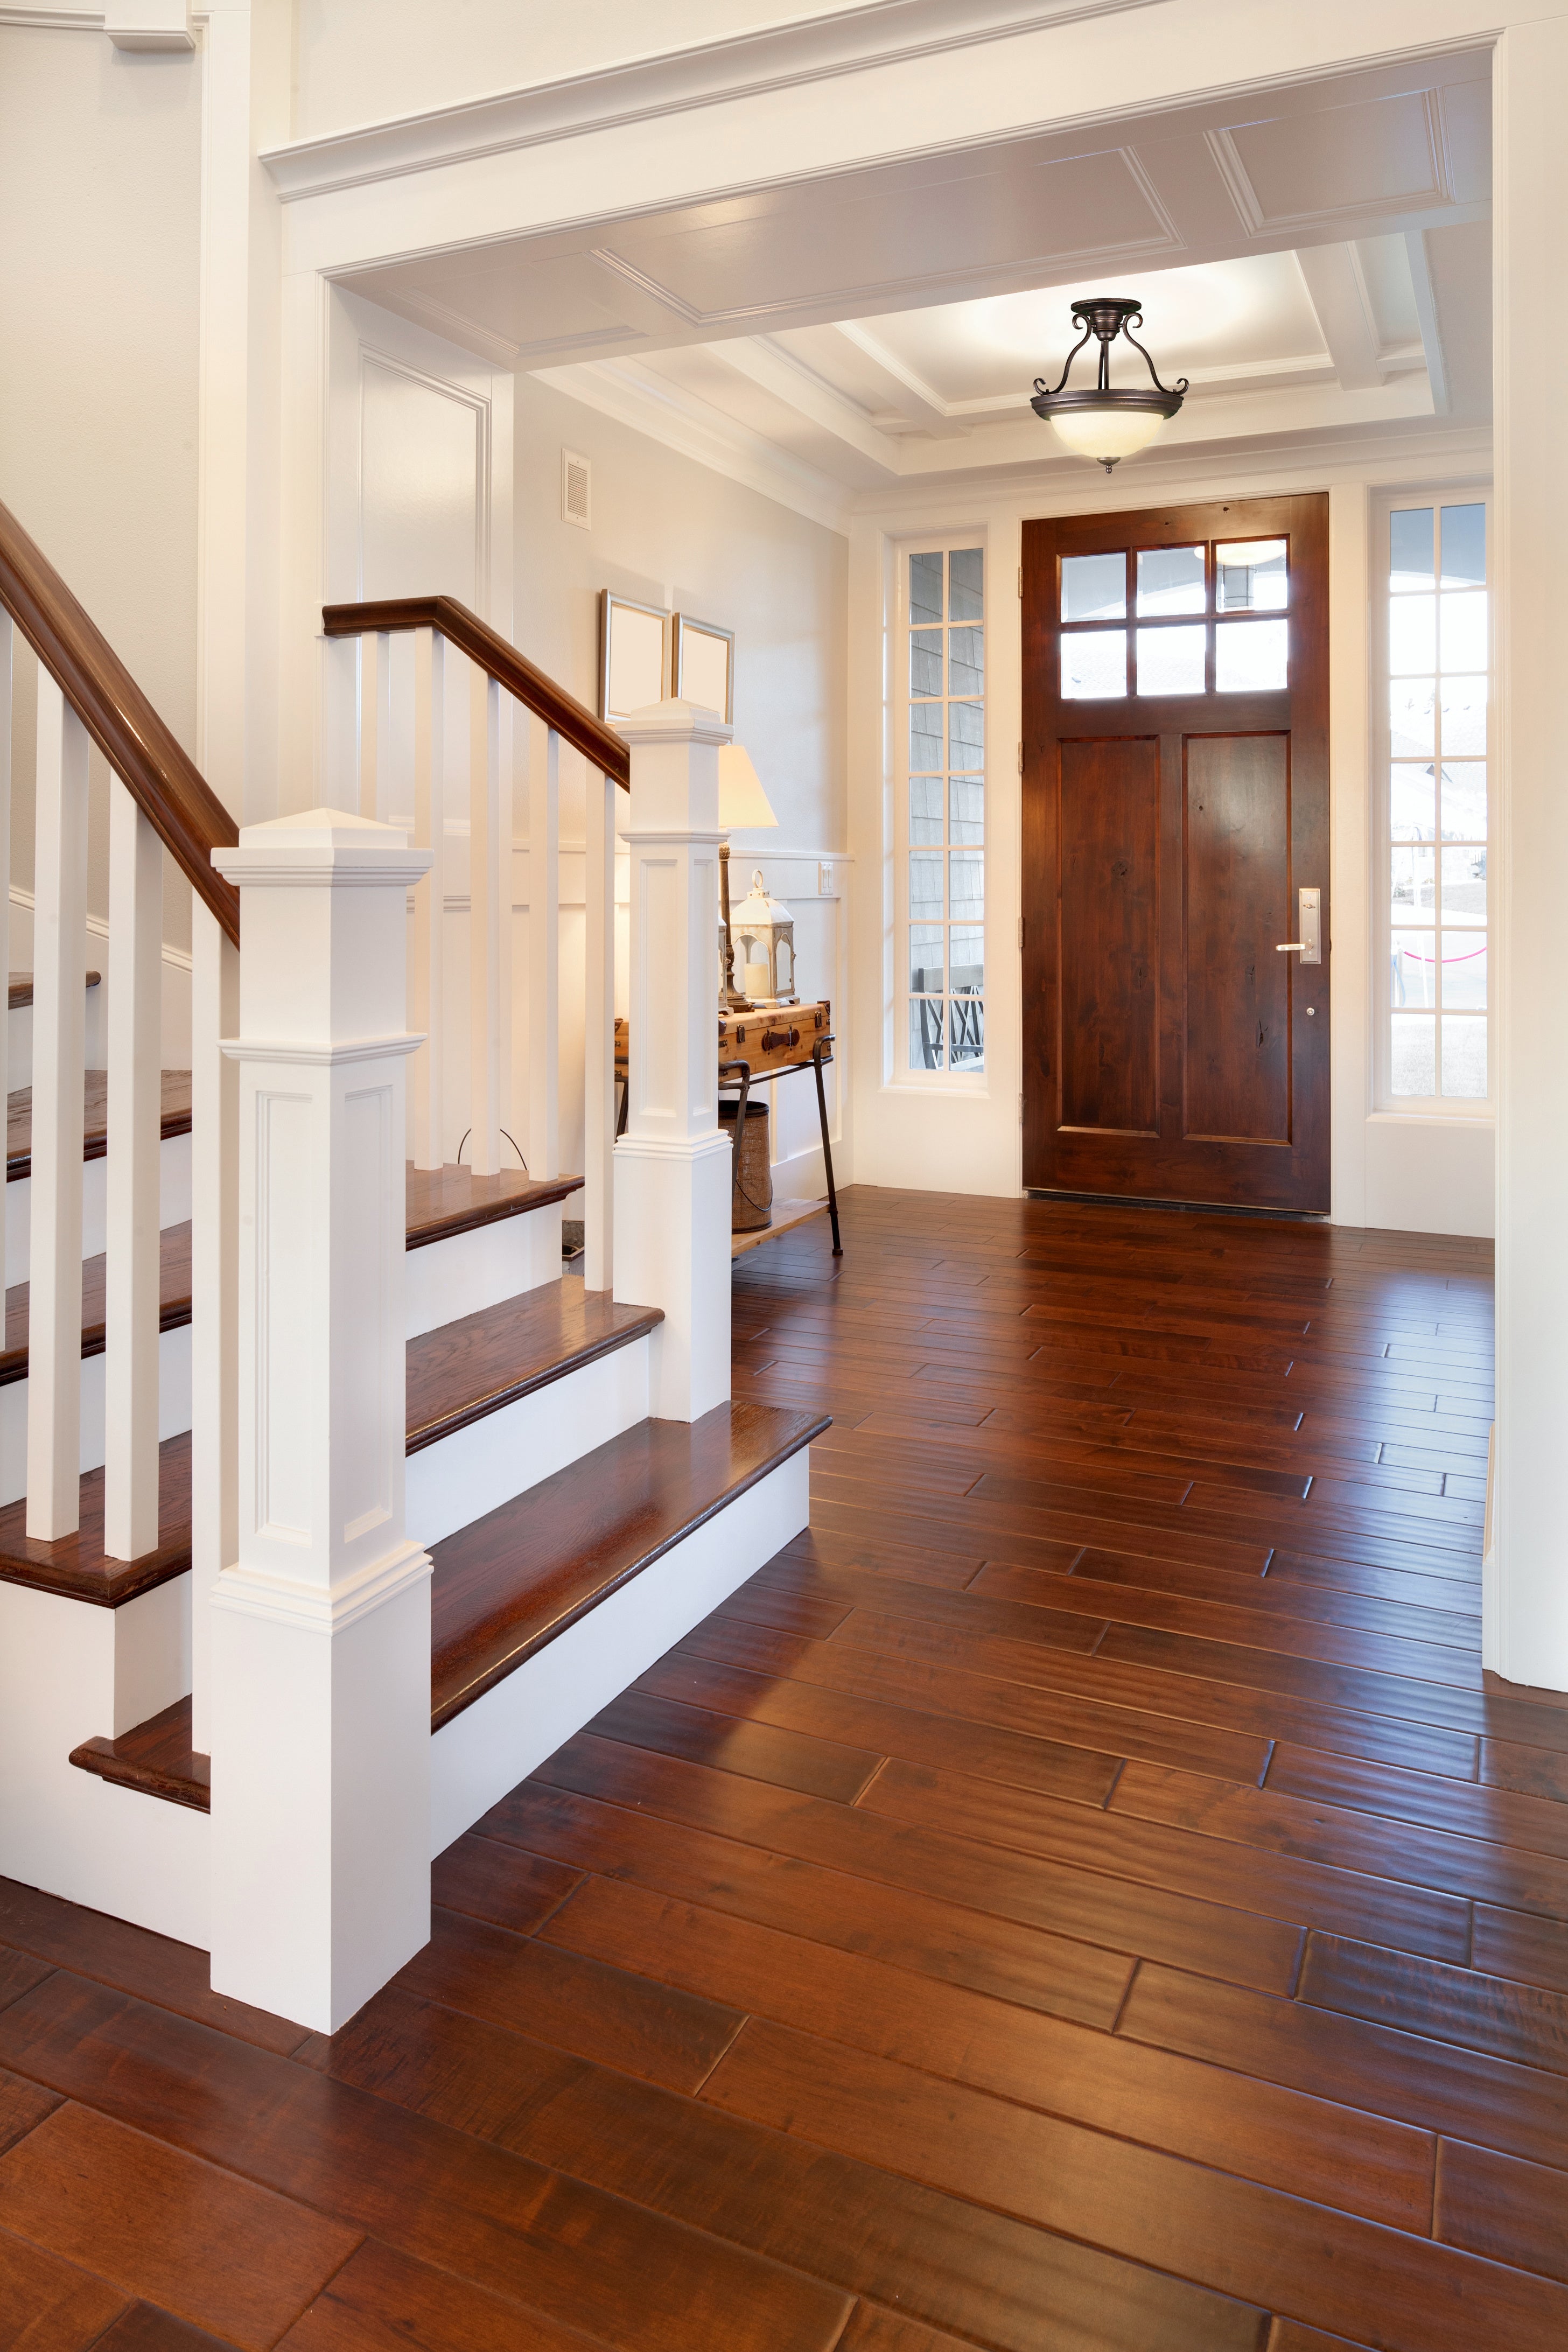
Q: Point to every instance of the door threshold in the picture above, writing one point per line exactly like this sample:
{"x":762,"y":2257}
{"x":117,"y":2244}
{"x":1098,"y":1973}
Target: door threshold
{"x":1188,"y":1208}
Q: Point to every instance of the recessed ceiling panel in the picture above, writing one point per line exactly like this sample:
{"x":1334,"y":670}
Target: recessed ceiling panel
{"x":878,"y":243}
{"x":538,"y":306}
{"x":1300,"y":168}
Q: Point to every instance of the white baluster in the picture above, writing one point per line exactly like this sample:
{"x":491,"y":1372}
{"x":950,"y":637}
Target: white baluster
{"x":214,"y":1292}
{"x":599,"y":1030}
{"x":543,"y":950}
{"x":132,"y":1267}
{"x":7,"y":657}
{"x":489,"y":915}
{"x":425,"y":1076}
{"x":375,"y":720}
{"x":59,"y":929}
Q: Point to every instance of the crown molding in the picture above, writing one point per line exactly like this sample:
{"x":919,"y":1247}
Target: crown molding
{"x":773,"y":57}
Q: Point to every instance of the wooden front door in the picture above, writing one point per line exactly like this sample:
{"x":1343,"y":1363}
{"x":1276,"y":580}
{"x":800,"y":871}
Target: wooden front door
{"x":1176,"y":805}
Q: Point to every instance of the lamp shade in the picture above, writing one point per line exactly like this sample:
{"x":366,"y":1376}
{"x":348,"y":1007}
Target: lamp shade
{"x":1107,"y":434}
{"x":743,"y":804}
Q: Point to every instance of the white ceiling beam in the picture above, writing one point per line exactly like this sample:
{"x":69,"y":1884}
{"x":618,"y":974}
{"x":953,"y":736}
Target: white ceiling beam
{"x":1426,"y":317}
{"x":908,"y":394}
{"x":774,"y":371}
{"x":1338,"y":294}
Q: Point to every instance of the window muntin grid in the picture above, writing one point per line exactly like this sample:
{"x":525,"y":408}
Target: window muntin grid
{"x":1437,"y":645}
{"x":945,"y":845}
{"x":1207,"y":619}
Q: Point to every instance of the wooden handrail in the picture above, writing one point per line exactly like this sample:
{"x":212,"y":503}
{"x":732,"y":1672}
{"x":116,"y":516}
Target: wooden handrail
{"x":163,"y":781}
{"x":571,"y":720}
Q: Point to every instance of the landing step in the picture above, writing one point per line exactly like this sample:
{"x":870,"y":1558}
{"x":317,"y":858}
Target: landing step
{"x":176,"y":1119}
{"x":513,"y":1581}
{"x":455,"y":1375}
{"x":21,"y":988}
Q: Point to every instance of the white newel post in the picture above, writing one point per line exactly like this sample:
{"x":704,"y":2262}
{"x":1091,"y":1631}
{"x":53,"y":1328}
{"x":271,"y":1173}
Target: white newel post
{"x":672,"y":1165}
{"x":320,"y":1632}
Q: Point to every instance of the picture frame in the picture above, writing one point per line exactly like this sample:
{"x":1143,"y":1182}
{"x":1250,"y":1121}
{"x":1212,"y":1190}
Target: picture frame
{"x":634,"y":655}
{"x":702,"y":665}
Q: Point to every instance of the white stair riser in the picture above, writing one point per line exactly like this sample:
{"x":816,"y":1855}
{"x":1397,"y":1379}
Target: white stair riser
{"x":173,"y":1204}
{"x":463,"y":1273}
{"x":70,"y":1672}
{"x":174,"y":1411}
{"x":479,"y":1468}
{"x":485,"y":1751}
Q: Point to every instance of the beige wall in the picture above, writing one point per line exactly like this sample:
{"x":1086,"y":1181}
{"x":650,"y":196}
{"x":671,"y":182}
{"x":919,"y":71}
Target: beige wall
{"x":99,"y":228}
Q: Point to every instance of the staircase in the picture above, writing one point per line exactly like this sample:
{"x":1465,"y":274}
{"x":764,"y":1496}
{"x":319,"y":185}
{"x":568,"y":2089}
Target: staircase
{"x":379,"y":1516}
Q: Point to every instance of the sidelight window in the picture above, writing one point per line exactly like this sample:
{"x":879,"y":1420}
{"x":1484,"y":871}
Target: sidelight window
{"x":943,"y":849}
{"x":1437,"y":645}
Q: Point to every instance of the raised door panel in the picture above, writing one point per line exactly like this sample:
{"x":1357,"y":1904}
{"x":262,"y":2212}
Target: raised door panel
{"x":1109,"y":833}
{"x":1236,"y":894}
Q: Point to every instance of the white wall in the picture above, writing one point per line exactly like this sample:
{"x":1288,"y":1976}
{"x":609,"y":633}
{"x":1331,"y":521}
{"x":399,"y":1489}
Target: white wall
{"x":99,"y":231}
{"x":1422,"y":1175}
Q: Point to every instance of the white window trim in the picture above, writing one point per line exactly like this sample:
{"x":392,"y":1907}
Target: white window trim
{"x":903,"y":1076}
{"x":1465,"y":1111}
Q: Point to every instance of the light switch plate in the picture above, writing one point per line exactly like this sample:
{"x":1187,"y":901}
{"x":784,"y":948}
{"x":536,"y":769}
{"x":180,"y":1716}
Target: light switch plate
{"x":825,"y":883}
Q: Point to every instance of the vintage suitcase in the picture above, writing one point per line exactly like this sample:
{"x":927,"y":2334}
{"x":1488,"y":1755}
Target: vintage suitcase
{"x":769,"y":1037}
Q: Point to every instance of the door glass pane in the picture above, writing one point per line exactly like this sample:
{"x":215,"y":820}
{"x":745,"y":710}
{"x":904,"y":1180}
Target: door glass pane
{"x":965,"y":809}
{"x":1413,"y":956}
{"x":1465,"y":886}
{"x":925,"y":661}
{"x":1463,"y":547}
{"x":925,"y":736}
{"x":1412,"y":803}
{"x":1464,"y":1058}
{"x":965,"y":662}
{"x":1171,"y":661}
{"x":1170,"y":580}
{"x":1094,"y":665}
{"x":925,"y":887}
{"x":1094,"y":587}
{"x":1412,"y":635}
{"x":1412,"y":717}
{"x":965,"y":1033}
{"x":1410,"y":549}
{"x":1464,"y":631}
{"x":1250,"y":655}
{"x":1414,"y":1060}
{"x":1464,"y":716}
{"x":966,"y":955}
{"x":925,"y":810}
{"x":1464,"y":970}
{"x":965,"y":584}
{"x":1413,"y":893}
{"x":967,"y":882}
{"x":925,"y":956}
{"x":1251,"y":575}
{"x":966,"y":734}
{"x":1464,"y":800}
{"x":925,"y":588}
{"x":925,"y":1033}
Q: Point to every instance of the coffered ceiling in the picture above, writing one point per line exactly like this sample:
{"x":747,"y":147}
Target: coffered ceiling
{"x":1316,"y":263}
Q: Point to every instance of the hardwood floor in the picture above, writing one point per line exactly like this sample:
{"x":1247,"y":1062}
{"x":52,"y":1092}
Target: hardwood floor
{"x":1083,"y":1897}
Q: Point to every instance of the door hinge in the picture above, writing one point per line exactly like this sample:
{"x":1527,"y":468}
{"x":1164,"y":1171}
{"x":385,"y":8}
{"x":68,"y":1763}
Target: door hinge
{"x":1020,"y":759}
{"x":1020,"y":582}
{"x":1020,"y":1110}
{"x":1020,"y":935}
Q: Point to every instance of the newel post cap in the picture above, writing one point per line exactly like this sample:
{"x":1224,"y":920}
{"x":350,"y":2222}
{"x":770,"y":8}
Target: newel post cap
{"x":674,"y":722}
{"x":327,"y":847}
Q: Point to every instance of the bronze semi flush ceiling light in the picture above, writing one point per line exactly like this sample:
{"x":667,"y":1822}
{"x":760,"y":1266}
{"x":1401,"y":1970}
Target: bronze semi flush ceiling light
{"x":1108,"y":423}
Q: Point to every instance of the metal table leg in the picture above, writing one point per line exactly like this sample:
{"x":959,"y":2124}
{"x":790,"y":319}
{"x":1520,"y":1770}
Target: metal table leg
{"x":817,"y":1054}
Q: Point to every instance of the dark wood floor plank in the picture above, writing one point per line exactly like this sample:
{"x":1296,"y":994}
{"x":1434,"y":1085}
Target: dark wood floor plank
{"x":1238,"y":2238}
{"x":22,"y":2106}
{"x":1508,"y":2211}
{"x":199,"y":2240}
{"x":381,"y":2300}
{"x":145,"y":2328}
{"x":1494,"y":2014}
{"x":1499,"y":1816}
{"x":500,"y":1884}
{"x":48,"y":2305}
{"x":786,"y":1757}
{"x":1518,"y":1944}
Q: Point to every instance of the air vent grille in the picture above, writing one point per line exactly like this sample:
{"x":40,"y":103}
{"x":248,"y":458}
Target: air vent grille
{"x":576,"y":489}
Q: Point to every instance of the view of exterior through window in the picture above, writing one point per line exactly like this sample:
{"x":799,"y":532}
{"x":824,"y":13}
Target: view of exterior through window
{"x":1203,"y":620}
{"x":1437,"y":667}
{"x":945,"y":928}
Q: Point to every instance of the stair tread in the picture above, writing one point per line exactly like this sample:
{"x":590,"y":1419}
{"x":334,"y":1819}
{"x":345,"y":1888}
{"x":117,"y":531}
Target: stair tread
{"x":507,"y":1585}
{"x":176,"y":1119}
{"x":174,"y":1293}
{"x":462,"y":1370}
{"x":451,"y":1199}
{"x":157,"y":1757}
{"x":21,"y":987}
{"x":77,"y":1564}
{"x":509,"y":1582}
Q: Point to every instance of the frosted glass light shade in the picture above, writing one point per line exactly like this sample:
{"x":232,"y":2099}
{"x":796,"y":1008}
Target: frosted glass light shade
{"x":1107,"y":432}
{"x":743,"y":804}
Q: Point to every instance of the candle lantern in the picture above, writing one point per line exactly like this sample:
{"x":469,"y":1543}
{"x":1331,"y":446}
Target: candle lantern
{"x":763,"y":932}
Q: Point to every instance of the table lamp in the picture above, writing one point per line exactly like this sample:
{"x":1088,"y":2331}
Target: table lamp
{"x":743,"y":807}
